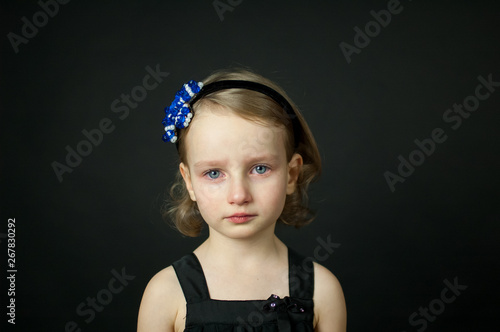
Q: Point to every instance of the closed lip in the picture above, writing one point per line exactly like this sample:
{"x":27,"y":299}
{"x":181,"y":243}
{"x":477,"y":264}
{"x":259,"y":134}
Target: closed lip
{"x":239,"y":218}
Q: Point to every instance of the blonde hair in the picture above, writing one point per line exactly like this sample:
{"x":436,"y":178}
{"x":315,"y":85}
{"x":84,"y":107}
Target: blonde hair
{"x":253,"y":106}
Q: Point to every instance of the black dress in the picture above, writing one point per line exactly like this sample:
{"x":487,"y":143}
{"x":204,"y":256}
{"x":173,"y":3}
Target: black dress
{"x":293,"y":313}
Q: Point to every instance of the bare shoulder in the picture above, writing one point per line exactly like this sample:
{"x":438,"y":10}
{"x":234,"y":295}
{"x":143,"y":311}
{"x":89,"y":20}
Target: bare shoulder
{"x":329,"y":303}
{"x":162,"y":305}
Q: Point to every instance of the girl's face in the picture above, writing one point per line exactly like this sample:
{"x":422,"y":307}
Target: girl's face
{"x":237,"y":172}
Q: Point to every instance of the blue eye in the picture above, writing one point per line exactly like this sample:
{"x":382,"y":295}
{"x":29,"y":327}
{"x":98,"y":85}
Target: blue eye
{"x":213,"y":174}
{"x":260,"y":169}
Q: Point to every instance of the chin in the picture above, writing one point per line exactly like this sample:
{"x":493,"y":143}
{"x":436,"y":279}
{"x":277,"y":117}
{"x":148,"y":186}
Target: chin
{"x":244,"y":231}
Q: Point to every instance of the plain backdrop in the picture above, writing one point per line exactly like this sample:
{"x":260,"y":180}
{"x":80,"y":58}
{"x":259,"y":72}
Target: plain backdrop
{"x":394,"y":249}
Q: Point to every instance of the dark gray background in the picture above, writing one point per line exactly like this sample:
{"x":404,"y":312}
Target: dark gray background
{"x":396,"y":248}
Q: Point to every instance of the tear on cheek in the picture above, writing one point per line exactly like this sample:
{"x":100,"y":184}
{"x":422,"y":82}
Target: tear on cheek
{"x":208,"y":192}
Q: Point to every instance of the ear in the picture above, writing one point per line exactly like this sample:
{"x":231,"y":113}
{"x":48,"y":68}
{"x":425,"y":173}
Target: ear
{"x":187,"y":180}
{"x":294,"y":170}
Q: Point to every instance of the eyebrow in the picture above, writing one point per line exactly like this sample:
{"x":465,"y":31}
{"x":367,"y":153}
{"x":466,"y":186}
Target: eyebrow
{"x":253,"y":159}
{"x":207,"y":163}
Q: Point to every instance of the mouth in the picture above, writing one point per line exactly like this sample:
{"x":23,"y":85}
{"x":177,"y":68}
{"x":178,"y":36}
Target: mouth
{"x":240,"y":218}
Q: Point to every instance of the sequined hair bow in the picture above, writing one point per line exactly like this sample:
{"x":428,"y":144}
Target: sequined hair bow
{"x":179,"y":114}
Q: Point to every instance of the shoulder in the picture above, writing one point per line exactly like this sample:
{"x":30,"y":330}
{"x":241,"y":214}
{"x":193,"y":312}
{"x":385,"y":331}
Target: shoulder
{"x":329,"y":302}
{"x":162,"y":302}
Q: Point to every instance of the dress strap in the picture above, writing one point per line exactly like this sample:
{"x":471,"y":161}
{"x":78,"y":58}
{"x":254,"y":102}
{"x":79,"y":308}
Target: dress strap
{"x":300,"y":275}
{"x":192,"y":279}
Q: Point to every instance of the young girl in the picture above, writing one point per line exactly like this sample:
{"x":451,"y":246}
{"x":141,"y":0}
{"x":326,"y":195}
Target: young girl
{"x":247,"y":157}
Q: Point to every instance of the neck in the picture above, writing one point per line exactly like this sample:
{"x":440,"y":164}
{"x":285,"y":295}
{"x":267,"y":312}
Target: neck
{"x":241,"y":253}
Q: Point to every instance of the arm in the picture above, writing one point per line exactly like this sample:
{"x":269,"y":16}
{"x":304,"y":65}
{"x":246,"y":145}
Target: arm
{"x":329,"y":304}
{"x":160,"y":303}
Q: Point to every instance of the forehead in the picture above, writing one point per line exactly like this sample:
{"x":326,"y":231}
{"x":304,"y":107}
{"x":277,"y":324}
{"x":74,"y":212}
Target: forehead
{"x":219,"y":132}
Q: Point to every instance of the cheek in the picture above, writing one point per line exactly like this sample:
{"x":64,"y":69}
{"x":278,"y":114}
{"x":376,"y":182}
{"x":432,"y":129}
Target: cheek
{"x":207,"y":191}
{"x":207,"y":207}
{"x":208,"y":196}
{"x":273,"y":194}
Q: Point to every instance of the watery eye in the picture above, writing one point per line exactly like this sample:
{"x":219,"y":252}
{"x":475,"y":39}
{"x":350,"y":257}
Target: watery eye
{"x":260,"y":169}
{"x":213,"y":174}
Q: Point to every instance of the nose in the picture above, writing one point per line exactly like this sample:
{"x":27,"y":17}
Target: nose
{"x":239,"y":191}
